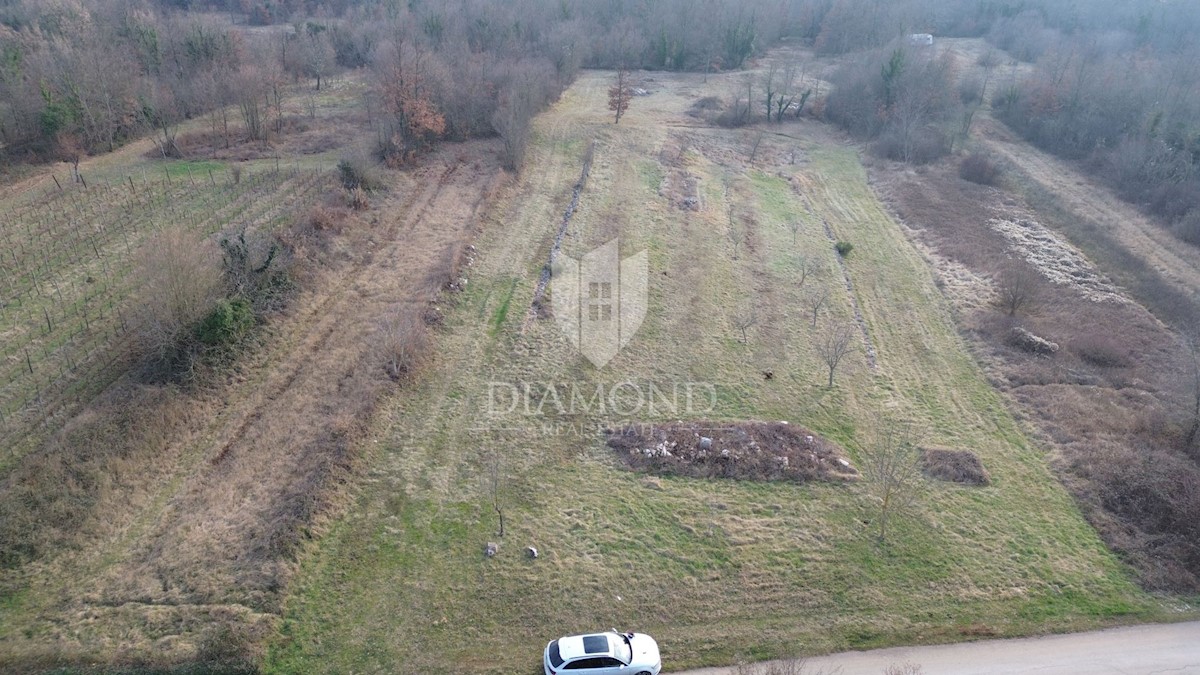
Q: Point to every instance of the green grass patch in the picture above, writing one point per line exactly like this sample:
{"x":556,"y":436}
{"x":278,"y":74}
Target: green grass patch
{"x":501,"y":313}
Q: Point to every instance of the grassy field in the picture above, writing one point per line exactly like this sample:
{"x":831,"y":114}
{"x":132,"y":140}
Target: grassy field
{"x":717,"y":570}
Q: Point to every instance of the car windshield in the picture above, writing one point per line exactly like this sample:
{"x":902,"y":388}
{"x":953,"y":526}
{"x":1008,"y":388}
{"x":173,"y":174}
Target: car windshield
{"x":624,"y":649}
{"x":556,"y":659}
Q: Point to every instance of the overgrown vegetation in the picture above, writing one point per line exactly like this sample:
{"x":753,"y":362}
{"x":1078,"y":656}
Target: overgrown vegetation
{"x":901,"y":99}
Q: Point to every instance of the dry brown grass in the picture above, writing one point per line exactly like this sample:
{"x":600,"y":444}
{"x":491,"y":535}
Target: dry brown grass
{"x":62,"y":495}
{"x":1109,"y":401}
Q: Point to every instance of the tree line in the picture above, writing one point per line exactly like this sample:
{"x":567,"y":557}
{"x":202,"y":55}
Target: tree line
{"x":1114,"y":80}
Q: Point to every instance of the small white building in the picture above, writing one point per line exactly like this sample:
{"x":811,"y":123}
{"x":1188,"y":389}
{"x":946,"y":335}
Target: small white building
{"x":920,"y":40}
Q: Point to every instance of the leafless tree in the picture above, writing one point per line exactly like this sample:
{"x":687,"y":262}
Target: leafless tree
{"x":620,"y":94}
{"x":793,"y":226}
{"x":814,"y":300}
{"x":493,"y":478}
{"x":891,"y":470}
{"x":69,"y":148}
{"x":743,"y":319}
{"x":806,"y":267}
{"x":758,"y":138}
{"x":833,"y":344}
{"x":1018,"y":288}
{"x":735,"y":233}
{"x":181,"y":281}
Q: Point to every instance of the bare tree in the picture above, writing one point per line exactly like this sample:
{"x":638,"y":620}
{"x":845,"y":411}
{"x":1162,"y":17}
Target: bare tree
{"x":735,"y":234}
{"x":891,"y":470}
{"x":833,"y":344}
{"x":620,"y":94}
{"x":743,"y":319}
{"x":1018,"y":287}
{"x":181,"y":281}
{"x":793,"y":226}
{"x":758,"y":138}
{"x":69,"y":148}
{"x":495,"y":471}
{"x":815,"y":299}
{"x":805,"y":266}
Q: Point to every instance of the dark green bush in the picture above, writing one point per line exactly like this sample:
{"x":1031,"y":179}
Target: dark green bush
{"x":843,"y":248}
{"x":229,"y":321}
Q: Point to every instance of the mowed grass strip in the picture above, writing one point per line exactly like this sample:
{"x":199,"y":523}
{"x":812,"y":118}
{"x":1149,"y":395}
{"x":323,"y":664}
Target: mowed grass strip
{"x":717,"y":570}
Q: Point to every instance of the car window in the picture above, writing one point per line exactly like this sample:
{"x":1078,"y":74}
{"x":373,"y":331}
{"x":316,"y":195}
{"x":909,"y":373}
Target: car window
{"x":588,"y":664}
{"x":556,"y":658}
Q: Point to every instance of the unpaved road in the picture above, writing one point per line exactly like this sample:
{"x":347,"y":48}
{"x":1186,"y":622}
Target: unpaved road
{"x":1135,"y":650}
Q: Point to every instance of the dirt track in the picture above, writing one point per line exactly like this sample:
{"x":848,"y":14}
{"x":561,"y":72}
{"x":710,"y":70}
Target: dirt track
{"x":1137,"y":650}
{"x":1178,"y":264}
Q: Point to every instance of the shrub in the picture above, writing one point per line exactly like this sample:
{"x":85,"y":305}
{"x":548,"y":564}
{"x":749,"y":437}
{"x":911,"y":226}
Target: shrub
{"x":357,"y":199}
{"x":1188,"y":228}
{"x":256,"y":267}
{"x":357,"y":171}
{"x":1104,"y":351}
{"x":324,"y":219}
{"x":919,"y":147}
{"x":979,"y":168}
{"x":227,"y":323}
{"x":181,"y":282}
{"x":705,"y":108}
{"x":843,"y":248}
{"x":956,"y":466}
{"x":404,"y":344}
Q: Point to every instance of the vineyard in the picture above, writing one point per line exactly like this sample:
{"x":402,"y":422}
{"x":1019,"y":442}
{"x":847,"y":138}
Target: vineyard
{"x":66,"y":261}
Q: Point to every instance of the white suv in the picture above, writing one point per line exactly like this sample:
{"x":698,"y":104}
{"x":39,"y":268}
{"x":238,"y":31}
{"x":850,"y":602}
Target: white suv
{"x":610,"y":653}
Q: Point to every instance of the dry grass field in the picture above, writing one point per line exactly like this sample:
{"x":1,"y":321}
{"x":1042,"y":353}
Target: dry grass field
{"x":718,"y":570}
{"x":163,"y":521}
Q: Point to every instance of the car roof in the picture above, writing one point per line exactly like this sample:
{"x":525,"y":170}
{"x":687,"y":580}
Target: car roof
{"x":594,"y":644}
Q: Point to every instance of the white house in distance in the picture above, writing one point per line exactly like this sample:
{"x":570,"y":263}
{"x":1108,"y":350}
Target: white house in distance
{"x":920,"y":40}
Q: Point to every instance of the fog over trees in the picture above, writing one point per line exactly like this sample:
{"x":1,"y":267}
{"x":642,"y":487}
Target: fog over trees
{"x":1113,"y":82}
